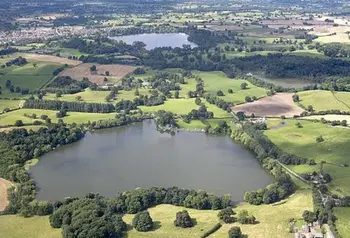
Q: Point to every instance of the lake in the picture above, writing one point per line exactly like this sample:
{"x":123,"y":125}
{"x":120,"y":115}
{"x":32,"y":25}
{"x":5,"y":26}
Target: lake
{"x":114,"y":160}
{"x":154,"y":40}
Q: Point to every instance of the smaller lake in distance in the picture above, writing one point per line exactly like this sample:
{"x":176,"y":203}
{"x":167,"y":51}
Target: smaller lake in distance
{"x":117,"y":159}
{"x":154,"y":40}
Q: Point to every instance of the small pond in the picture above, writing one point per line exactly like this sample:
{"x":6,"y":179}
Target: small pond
{"x":154,"y":40}
{"x":114,"y":160}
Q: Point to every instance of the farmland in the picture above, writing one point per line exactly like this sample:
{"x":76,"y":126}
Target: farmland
{"x":343,"y":223}
{"x":273,"y":106}
{"x":302,"y":142}
{"x":116,"y":72}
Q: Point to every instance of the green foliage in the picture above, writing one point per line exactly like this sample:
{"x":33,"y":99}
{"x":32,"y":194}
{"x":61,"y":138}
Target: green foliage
{"x":244,"y":218}
{"x":142,"y":221}
{"x":183,"y":219}
{"x":226,"y":215}
{"x":212,"y":230}
{"x":235,"y":232}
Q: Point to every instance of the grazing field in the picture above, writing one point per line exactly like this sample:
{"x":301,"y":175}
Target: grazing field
{"x":27,"y":76}
{"x":328,"y":117}
{"x":302,"y":142}
{"x":215,"y":81}
{"x":286,"y":82}
{"x":116,"y":72}
{"x":343,"y":221}
{"x":9,"y":119}
{"x":273,"y":106}
{"x":273,"y":220}
{"x":4,"y":185}
{"x":13,"y":226}
{"x":193,"y":125}
{"x":51,"y":58}
{"x":325,"y":100}
{"x":11,"y":104}
{"x":184,"y":106}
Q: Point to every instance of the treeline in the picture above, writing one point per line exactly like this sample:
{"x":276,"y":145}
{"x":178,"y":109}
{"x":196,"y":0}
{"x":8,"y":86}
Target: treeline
{"x":251,"y":137}
{"x":335,"y":50}
{"x":102,"y":216}
{"x":8,"y":51}
{"x":120,"y":120}
{"x":67,"y":85}
{"x":219,"y":102}
{"x":19,"y":61}
{"x":69,"y":106}
{"x":280,"y":189}
{"x":19,"y":146}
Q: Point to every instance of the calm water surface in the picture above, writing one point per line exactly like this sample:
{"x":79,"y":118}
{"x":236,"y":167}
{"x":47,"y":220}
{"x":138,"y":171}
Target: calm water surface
{"x":114,"y":160}
{"x":154,"y":40}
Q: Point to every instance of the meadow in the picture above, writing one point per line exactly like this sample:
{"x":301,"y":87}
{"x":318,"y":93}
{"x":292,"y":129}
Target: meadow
{"x":9,"y":119}
{"x":325,"y":100}
{"x":343,"y":221}
{"x":302,"y":142}
{"x":11,"y":104}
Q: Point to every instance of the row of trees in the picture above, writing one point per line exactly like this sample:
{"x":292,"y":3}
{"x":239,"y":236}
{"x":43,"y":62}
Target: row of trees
{"x":67,"y":85}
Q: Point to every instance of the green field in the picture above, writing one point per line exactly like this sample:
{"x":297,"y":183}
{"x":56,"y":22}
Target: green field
{"x":13,"y":226}
{"x":343,"y":221}
{"x":302,"y":142}
{"x":214,"y":81}
{"x":328,"y":117}
{"x":27,"y":76}
{"x":9,"y":104}
{"x":8,"y":119}
{"x":325,"y":100}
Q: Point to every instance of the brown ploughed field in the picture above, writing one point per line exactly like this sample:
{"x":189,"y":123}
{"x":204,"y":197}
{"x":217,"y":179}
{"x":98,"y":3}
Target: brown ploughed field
{"x":51,"y":58}
{"x":273,"y":106}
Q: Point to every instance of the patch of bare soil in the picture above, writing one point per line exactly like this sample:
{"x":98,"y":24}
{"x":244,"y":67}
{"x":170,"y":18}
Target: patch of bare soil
{"x":51,"y":58}
{"x":4,"y":185}
{"x":273,"y":106}
{"x":83,"y":70}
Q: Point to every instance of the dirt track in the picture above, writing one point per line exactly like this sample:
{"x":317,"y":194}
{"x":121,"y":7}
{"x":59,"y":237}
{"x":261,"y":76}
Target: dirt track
{"x":4,"y":185}
{"x":274,"y":106}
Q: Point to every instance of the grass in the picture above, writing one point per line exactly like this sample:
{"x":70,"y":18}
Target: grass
{"x":325,"y":100}
{"x":216,"y":80}
{"x":193,"y":125}
{"x":8,"y":119}
{"x":302,"y":142}
{"x":329,"y":117}
{"x":13,"y":226}
{"x":343,"y":221}
{"x":273,"y":220}
{"x":9,"y":104}
{"x":27,"y":76}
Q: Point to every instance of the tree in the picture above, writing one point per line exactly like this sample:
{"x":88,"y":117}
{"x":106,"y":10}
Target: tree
{"x":296,"y":98}
{"x":58,"y":93}
{"x":142,"y":221}
{"x":226,"y":215}
{"x":319,"y":139}
{"x":235,"y":232}
{"x":183,"y":219}
{"x":298,"y":124}
{"x":310,"y":108}
{"x":230,"y":90}
{"x":93,"y":68}
{"x":107,"y":73}
{"x":198,"y":101}
{"x":137,"y":93}
{"x":177,"y":94}
{"x":244,"y":218}
{"x":19,"y":123}
{"x":308,"y":216}
{"x":248,"y":99}
{"x":241,"y":116}
{"x":244,"y":85}
{"x":220,"y":93}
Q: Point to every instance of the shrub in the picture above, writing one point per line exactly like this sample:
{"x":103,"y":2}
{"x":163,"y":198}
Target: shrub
{"x":220,"y":93}
{"x":142,"y":221}
{"x":19,"y":123}
{"x":244,"y":85}
{"x":244,"y":218}
{"x":235,"y":232}
{"x":183,"y":219}
{"x":225,"y":215}
{"x":319,"y":139}
{"x":230,"y":90}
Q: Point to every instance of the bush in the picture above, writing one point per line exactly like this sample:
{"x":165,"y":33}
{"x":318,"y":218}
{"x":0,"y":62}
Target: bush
{"x":235,"y":232}
{"x":183,"y":219}
{"x":244,"y":218}
{"x":19,"y":123}
{"x":244,"y":85}
{"x":220,"y":93}
{"x":230,"y":90}
{"x":225,"y":215}
{"x":319,"y":139}
{"x":142,"y":221}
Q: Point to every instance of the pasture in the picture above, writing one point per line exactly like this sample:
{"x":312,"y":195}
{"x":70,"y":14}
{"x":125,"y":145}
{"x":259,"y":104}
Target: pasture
{"x":116,"y":72}
{"x":51,"y":59}
{"x":343,"y":221}
{"x":325,"y":100}
{"x":215,"y":81}
{"x":272,"y":106}
{"x":273,"y":220}
{"x":9,"y":119}
{"x":302,"y":142}
{"x":11,"y":104}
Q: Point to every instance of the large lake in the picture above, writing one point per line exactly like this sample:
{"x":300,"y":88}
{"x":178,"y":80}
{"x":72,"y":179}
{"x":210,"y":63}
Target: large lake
{"x":154,"y":40}
{"x":114,"y":160}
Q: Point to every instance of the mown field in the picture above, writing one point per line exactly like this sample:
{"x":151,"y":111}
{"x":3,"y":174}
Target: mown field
{"x":343,"y":221}
{"x":9,"y":119}
{"x":302,"y":142}
{"x":325,"y":100}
